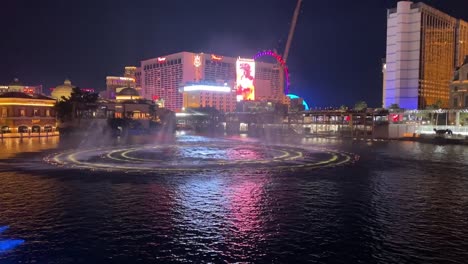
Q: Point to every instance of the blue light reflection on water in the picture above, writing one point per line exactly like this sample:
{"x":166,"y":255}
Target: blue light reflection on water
{"x":3,"y":228}
{"x":8,"y":244}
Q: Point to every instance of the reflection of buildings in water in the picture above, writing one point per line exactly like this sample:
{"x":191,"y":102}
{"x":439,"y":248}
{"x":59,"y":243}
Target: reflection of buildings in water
{"x":201,"y":202}
{"x":245,"y":199}
{"x":13,"y":146}
{"x":241,"y":153}
{"x":30,"y":201}
{"x":215,"y":212}
{"x":159,"y":205}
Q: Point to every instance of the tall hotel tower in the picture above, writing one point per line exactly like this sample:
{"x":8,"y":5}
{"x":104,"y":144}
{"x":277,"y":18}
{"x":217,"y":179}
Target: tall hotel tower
{"x":424,"y":46}
{"x":163,"y":78}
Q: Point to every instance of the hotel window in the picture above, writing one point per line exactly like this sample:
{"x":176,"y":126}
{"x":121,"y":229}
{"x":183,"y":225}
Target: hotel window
{"x":4,"y":112}
{"x":22,"y":112}
{"x":36,"y":112}
{"x":47,"y":113}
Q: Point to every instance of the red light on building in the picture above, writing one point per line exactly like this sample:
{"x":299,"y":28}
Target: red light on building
{"x":88,"y":90}
{"x":160,"y":60}
{"x":396,"y":117}
{"x":28,"y":90}
{"x":155,"y":97}
{"x":216,"y":58}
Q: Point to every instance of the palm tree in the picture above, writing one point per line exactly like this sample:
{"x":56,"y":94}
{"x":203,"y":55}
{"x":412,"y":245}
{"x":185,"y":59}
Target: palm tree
{"x":73,"y":106}
{"x":360,"y":106}
{"x":394,"y":107}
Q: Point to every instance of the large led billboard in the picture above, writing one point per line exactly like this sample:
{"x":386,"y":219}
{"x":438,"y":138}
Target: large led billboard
{"x":245,"y":80}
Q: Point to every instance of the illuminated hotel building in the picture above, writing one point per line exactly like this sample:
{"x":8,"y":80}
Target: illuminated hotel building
{"x":130,"y":71}
{"x":459,"y":87}
{"x":138,"y":79}
{"x":116,"y":83}
{"x":209,"y":94}
{"x":17,"y":86}
{"x":384,"y":72}
{"x":267,"y":82}
{"x":424,"y":45}
{"x":462,"y":42}
{"x":23,"y":114}
{"x":164,"y":78}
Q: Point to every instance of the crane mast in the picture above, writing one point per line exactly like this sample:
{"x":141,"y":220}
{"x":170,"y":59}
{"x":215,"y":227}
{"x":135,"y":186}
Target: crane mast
{"x":288,"y":42}
{"x":291,"y":30}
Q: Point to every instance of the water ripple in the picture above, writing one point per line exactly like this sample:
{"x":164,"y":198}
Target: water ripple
{"x":401,"y":203}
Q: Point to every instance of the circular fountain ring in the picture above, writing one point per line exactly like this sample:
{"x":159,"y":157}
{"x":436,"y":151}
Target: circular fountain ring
{"x":195,"y":157}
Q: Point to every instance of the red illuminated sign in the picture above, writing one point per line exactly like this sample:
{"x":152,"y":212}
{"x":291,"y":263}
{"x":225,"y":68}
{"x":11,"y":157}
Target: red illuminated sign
{"x":216,"y":58}
{"x":28,"y":90}
{"x":161,"y":59}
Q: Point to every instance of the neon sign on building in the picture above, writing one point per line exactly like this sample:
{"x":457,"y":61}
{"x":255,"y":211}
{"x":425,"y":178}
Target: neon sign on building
{"x":161,"y":59}
{"x":245,"y":79}
{"x":197,"y":61}
{"x":216,"y":58}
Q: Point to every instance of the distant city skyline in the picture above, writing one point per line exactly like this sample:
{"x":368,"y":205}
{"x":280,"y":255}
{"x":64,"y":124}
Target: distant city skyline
{"x":334,"y":58}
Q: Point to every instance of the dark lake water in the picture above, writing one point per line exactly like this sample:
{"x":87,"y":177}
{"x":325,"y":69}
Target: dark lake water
{"x":198,"y":199}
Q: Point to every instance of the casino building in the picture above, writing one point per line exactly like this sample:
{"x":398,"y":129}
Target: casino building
{"x":187,"y":79}
{"x":26,"y":115}
{"x":424,"y":46}
{"x":17,"y":86}
{"x":459,"y":87}
{"x":114,"y":84}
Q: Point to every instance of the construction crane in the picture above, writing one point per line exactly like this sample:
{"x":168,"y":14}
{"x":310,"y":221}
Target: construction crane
{"x":291,"y":30}
{"x":288,"y":42}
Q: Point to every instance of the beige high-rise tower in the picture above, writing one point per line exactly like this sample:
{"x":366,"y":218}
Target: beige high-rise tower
{"x":424,"y":46}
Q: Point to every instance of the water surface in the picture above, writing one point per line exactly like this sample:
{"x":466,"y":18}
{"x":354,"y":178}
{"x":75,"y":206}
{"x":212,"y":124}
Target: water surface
{"x":401,"y":202}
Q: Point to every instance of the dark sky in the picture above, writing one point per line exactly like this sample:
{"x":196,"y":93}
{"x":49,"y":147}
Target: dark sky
{"x":334,"y":58}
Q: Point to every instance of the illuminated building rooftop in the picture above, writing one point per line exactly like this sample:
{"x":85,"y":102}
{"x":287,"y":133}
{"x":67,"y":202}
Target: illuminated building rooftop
{"x":15,"y":95}
{"x":24,"y":96}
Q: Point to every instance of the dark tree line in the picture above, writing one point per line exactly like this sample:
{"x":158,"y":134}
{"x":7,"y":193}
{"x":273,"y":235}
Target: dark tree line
{"x":73,"y":107}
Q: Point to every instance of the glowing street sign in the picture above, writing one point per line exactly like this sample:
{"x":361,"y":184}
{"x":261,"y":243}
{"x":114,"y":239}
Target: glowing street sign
{"x":207,"y":88}
{"x":245,"y":76}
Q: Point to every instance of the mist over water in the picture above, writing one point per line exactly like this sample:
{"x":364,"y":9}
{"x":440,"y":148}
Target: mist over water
{"x":399,"y":202}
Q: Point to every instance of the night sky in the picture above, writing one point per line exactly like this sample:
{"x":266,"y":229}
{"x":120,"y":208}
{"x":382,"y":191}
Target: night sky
{"x":335,"y":56}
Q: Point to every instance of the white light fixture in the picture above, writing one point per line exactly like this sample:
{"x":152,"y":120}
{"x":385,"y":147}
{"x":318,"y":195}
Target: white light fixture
{"x":207,"y":88}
